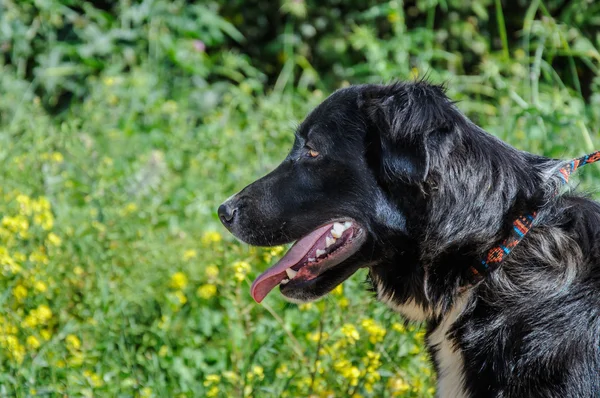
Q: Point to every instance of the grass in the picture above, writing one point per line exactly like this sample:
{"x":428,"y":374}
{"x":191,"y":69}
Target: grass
{"x":116,"y":276}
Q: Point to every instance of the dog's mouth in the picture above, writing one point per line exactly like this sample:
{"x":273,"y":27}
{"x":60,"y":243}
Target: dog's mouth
{"x":312,"y":255}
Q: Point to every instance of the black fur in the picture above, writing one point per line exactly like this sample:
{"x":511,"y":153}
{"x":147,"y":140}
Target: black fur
{"x":435,"y":192}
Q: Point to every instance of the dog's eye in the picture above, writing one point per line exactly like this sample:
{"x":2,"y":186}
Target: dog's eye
{"x":311,"y":153}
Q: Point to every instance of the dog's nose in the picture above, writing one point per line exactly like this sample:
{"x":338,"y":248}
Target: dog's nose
{"x":227,"y":213}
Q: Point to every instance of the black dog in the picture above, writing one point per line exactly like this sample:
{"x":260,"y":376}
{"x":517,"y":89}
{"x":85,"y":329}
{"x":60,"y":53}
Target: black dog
{"x":396,"y":179}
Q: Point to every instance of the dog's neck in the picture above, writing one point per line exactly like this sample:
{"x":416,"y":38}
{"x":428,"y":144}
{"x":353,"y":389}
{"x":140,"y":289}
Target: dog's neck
{"x":458,"y":214}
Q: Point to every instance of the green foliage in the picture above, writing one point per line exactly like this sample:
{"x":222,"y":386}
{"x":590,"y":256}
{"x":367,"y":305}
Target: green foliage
{"x":124,"y":124}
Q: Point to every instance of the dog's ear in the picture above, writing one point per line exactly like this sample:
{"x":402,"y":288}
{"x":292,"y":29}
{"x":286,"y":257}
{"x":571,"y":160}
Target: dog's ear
{"x":405,"y":122}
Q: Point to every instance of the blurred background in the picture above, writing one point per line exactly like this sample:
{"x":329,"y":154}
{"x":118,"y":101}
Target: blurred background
{"x":123,"y":125}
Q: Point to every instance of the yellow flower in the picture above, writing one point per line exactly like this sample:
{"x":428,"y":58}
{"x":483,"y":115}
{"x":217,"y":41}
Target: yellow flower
{"x":241,"y":269}
{"x":211,"y":237}
{"x":211,"y":379}
{"x":350,"y":332}
{"x":206,"y":291}
{"x":14,"y":348}
{"x":33,"y":342}
{"x":398,"y":386}
{"x":189,"y":254}
{"x":146,"y":392}
{"x":73,"y":342}
{"x":213,"y":392}
{"x":338,"y":291}
{"x":212,"y":272}
{"x":24,"y":202}
{"x":282,"y":370}
{"x":130,"y":208}
{"x":257,"y":372}
{"x":20,"y":292}
{"x":277,"y":250}
{"x":57,"y":157}
{"x":78,"y":270}
{"x":164,"y":350}
{"x":316,"y":336}
{"x":230,"y":376}
{"x":54,"y":239}
{"x":181,"y":297}
{"x":94,"y":378}
{"x":375,"y":331}
{"x":179,"y":280}
{"x":44,"y":219}
{"x":39,"y":257}
{"x":40,"y":286}
{"x":343,"y":302}
{"x":17,"y":224}
{"x":398,"y":327}
{"x":46,"y":334}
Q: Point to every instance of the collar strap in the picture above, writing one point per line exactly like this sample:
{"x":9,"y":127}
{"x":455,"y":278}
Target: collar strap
{"x":522,"y":225}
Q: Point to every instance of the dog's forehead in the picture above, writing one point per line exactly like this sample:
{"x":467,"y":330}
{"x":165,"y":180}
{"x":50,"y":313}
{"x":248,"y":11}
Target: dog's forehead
{"x":337,"y":116}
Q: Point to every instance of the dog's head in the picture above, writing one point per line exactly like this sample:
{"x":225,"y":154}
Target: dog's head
{"x":354,"y":189}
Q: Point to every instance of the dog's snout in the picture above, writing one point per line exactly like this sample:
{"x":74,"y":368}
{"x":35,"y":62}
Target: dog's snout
{"x":227,"y":212}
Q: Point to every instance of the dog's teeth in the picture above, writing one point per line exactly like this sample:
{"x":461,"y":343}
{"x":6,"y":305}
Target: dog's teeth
{"x":291,"y":273}
{"x":320,"y":252}
{"x":284,"y":281}
{"x":311,"y":259}
{"x":337,"y":230}
{"x":347,"y":225}
{"x":329,"y":241}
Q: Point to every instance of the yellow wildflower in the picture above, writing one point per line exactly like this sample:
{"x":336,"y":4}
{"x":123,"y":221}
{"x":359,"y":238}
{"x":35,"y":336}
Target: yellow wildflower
{"x":39,"y":257}
{"x":350,"y":332}
{"x":212,"y":272}
{"x":24,"y":202}
{"x":94,"y":378}
{"x":230,"y":376}
{"x":33,"y":342}
{"x":179,"y":280}
{"x":211,"y":379}
{"x":73,"y":342}
{"x":282,"y":370}
{"x":46,"y":334}
{"x":44,"y":220}
{"x":181,"y":297}
{"x":241,"y":269}
{"x":213,"y":392}
{"x":375,"y":331}
{"x":398,"y":386}
{"x":189,"y":254}
{"x":316,"y":336}
{"x":257,"y":373}
{"x":20,"y":292}
{"x":211,"y":237}
{"x":164,"y":350}
{"x":277,"y":250}
{"x":398,"y":327}
{"x":57,"y":157}
{"x":40,"y":286}
{"x":54,"y":239}
{"x":78,"y":270}
{"x":338,"y":291}
{"x":206,"y":291}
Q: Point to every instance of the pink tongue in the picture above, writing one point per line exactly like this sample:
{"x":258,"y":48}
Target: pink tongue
{"x":274,"y":275}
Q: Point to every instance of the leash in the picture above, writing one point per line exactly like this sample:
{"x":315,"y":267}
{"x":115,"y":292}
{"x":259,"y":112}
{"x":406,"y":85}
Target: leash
{"x":522,"y":225}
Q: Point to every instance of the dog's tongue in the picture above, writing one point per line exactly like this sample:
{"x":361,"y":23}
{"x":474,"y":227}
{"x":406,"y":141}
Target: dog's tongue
{"x":274,"y":275}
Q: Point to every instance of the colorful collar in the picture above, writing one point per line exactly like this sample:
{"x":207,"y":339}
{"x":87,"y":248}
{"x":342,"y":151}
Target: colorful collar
{"x":522,"y":225}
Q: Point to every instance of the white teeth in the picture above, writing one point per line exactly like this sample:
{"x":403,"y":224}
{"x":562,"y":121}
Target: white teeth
{"x":347,"y":225}
{"x":329,"y":241}
{"x":284,"y":281}
{"x":291,"y":273}
{"x":337,"y":230}
{"x":320,"y":252}
{"x":311,"y":259}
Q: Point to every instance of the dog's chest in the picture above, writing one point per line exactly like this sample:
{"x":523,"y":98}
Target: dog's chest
{"x":448,"y":357}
